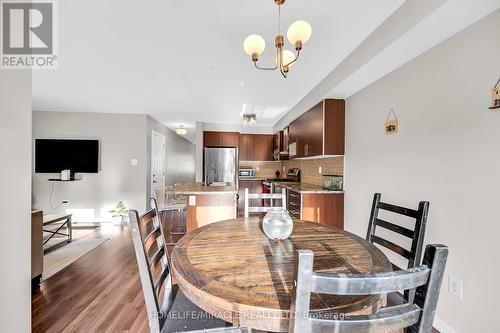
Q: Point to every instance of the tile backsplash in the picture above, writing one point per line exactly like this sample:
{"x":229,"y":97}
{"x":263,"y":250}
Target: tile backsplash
{"x":309,"y":168}
{"x":262,"y":169}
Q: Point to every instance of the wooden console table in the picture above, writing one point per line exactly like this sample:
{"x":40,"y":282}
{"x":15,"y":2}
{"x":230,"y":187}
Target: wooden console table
{"x":66,"y":223}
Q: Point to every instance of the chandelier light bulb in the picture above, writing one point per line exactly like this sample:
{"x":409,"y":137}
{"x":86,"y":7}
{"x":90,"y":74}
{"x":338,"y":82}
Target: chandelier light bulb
{"x":288,"y":57}
{"x":254,"y":44}
{"x":299,"y":32}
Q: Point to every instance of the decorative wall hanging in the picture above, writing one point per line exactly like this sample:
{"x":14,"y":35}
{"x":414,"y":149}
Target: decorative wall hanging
{"x":391,"y":125}
{"x":495,"y":96}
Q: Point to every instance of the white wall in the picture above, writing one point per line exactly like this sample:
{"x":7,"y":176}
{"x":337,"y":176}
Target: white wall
{"x":447,"y":152}
{"x":15,"y":201}
{"x":122,"y":138}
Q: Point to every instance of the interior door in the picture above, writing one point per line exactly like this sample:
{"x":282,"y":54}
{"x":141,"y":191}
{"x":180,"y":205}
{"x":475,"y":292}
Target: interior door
{"x":157,"y":161}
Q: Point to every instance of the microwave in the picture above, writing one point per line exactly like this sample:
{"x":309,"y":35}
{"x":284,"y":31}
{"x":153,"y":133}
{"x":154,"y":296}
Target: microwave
{"x":246,"y":173}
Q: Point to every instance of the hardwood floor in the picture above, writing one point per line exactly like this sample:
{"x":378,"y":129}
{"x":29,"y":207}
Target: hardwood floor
{"x":100,"y":292}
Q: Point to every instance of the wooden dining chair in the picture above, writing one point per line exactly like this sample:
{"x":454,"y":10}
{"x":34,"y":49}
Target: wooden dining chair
{"x":416,"y":235}
{"x":168,"y":309}
{"x":416,"y":316}
{"x":263,"y":209}
{"x":172,"y":211}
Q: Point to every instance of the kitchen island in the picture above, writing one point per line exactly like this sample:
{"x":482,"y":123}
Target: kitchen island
{"x":207,"y":204}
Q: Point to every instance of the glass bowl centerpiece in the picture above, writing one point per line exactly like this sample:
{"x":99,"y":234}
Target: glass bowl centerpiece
{"x":277,"y":224}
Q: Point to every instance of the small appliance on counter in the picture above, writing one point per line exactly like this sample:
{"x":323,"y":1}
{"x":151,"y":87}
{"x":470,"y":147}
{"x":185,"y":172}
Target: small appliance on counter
{"x":246,"y":173}
{"x":333,"y":182}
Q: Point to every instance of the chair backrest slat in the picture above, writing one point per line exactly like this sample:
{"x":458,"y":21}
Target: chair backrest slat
{"x":394,"y":227}
{"x":398,"y":210}
{"x":363,"y":284}
{"x":416,"y":316}
{"x":151,"y":239}
{"x":391,"y":246}
{"x":155,"y":258}
{"x":263,"y":209}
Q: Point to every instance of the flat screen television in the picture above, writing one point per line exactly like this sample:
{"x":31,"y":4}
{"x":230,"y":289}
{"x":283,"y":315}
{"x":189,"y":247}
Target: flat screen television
{"x":55,"y":155}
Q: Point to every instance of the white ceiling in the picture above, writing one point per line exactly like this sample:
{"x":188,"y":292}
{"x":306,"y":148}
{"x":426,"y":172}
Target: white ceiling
{"x":183,"y":61}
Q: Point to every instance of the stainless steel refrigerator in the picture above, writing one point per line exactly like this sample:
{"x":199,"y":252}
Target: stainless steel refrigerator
{"x":220,"y":166}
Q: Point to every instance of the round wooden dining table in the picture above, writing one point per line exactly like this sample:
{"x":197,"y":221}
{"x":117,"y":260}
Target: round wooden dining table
{"x":233,"y":271}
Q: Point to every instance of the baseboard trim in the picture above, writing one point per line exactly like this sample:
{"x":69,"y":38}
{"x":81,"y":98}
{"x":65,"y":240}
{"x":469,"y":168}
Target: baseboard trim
{"x":443,"y":327}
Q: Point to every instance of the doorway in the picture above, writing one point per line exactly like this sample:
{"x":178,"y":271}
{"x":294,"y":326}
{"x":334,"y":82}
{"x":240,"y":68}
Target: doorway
{"x":157,"y":161}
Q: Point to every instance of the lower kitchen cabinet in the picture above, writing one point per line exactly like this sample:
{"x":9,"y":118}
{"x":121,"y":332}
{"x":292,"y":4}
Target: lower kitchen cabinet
{"x":324,"y":208}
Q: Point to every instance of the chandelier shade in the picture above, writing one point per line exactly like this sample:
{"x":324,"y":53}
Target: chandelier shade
{"x":254,"y":44}
{"x":288,"y":58}
{"x":299,"y":32}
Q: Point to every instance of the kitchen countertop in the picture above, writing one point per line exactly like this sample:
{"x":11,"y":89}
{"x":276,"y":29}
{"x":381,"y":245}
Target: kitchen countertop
{"x":199,"y":188}
{"x":306,"y":188}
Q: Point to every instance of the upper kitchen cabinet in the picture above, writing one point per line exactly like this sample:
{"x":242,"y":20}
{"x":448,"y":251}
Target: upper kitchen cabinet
{"x":319,"y":131}
{"x":264,"y":147}
{"x":221,"y":139}
{"x":247,"y":147}
{"x":256,"y":147}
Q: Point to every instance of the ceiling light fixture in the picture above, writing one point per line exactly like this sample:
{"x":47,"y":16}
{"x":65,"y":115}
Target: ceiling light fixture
{"x":181,"y":130}
{"x":249,"y":118}
{"x":298,"y":34}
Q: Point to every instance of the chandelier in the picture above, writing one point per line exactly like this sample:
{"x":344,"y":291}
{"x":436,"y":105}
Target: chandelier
{"x":249,"y":118}
{"x":181,"y":130}
{"x":298,"y":34}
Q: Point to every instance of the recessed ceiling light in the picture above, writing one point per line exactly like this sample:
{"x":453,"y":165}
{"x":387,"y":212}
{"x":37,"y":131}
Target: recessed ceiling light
{"x":242,"y":83}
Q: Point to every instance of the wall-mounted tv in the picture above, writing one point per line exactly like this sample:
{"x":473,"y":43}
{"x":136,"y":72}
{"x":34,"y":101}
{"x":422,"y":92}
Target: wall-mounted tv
{"x":55,"y":155}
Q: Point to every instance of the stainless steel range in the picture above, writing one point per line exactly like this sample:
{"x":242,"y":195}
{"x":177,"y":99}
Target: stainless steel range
{"x":271,"y":186}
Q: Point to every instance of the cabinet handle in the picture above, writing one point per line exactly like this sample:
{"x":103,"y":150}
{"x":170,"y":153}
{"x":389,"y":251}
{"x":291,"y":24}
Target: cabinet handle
{"x":293,"y":204}
{"x":293,"y":195}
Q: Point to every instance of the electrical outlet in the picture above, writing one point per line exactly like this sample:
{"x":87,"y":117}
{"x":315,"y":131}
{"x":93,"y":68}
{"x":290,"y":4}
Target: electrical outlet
{"x":192,"y":200}
{"x":320,"y":170}
{"x":134,"y":161}
{"x":257,"y":168}
{"x":284,"y":168}
{"x":455,"y":286}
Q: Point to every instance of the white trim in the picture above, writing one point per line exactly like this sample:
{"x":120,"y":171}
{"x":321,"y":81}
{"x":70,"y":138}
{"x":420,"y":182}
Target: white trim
{"x":443,"y":327}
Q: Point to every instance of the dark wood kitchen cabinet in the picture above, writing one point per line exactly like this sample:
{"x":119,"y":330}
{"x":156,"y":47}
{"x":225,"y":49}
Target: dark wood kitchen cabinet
{"x":321,"y":130}
{"x":221,"y":139}
{"x":247,"y":147}
{"x":264,"y":145}
{"x":256,"y":147}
